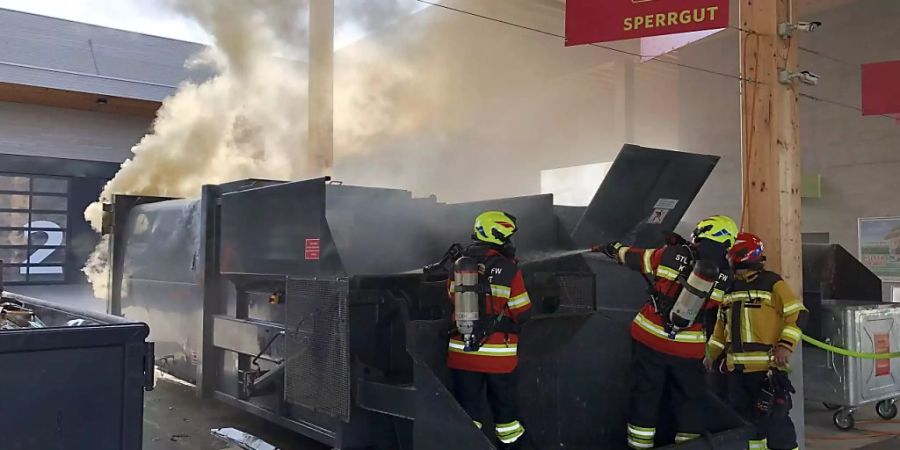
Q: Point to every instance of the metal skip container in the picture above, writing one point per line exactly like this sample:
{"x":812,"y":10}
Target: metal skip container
{"x":846,"y":383}
{"x":304,"y":303}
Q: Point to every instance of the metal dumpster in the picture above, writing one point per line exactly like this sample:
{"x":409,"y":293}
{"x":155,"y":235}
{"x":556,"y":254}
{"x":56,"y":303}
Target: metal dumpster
{"x":297,"y":302}
{"x":845,"y":383}
{"x":73,"y":387}
{"x":844,"y":301}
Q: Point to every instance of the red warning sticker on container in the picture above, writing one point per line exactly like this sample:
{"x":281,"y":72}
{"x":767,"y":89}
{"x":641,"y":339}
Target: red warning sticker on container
{"x":312,"y":249}
{"x":882,"y":345}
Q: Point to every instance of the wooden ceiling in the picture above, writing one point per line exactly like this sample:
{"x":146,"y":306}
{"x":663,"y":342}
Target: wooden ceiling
{"x":34,"y":95}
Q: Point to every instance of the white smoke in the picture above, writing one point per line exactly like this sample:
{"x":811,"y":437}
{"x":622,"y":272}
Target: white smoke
{"x":248,"y":120}
{"x":251,"y":118}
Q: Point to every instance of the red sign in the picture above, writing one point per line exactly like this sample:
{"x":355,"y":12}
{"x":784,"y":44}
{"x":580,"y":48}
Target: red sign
{"x":589,"y":21}
{"x":312,"y":249}
{"x":881,"y":88}
{"x":882,"y":345}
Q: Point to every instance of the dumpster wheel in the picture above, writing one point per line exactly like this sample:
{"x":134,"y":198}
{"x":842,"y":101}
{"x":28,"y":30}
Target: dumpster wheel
{"x":844,"y":420}
{"x":886,"y":409}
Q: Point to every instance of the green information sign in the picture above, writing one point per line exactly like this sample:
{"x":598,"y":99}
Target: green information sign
{"x":879,"y":246}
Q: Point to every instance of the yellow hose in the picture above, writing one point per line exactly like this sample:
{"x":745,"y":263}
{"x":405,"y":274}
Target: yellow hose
{"x":850,"y":353}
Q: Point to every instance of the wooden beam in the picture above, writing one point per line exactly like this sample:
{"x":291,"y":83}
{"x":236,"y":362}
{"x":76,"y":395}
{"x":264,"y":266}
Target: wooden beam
{"x":771,"y":139}
{"x":321,"y":87}
{"x":771,"y":148}
{"x":625,"y":101}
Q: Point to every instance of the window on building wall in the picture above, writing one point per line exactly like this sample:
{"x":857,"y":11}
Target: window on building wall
{"x":33,"y":220}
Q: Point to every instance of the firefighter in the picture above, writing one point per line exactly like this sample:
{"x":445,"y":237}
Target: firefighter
{"x":490,"y":367}
{"x":756,"y":331}
{"x":668,"y":356}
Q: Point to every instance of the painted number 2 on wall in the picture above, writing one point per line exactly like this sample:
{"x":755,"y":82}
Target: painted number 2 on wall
{"x":54,"y":239}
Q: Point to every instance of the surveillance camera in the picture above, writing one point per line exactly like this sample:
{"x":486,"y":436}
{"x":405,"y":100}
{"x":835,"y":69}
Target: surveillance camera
{"x":809,"y":78}
{"x":786,"y":29}
{"x":805,"y":77}
{"x":810,"y":27}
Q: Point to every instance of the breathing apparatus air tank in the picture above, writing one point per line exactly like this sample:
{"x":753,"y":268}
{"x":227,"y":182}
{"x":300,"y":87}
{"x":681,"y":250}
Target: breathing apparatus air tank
{"x":694,"y":293}
{"x":466,"y":300}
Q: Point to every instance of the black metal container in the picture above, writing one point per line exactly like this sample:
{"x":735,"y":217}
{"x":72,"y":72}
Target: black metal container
{"x":299,"y":302}
{"x":74,"y":387}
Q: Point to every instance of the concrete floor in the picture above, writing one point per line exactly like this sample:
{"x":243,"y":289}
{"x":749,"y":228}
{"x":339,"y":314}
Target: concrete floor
{"x":175,"y":419}
{"x":870,"y":429}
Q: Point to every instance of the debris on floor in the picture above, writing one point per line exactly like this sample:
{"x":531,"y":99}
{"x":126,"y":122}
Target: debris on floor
{"x":177,"y":437}
{"x":243,"y":440}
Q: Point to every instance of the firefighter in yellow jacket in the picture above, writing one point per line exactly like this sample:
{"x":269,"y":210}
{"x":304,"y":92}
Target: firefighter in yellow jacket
{"x":756,"y":331}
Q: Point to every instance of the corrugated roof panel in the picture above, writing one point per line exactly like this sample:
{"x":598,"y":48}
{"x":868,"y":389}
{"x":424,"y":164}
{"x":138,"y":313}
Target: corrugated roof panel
{"x":135,"y":63}
{"x":72,"y":54}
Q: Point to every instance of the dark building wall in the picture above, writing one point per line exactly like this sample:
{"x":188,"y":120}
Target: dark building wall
{"x":43,"y":234}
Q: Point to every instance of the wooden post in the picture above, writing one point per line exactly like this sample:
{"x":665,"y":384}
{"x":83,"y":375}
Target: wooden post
{"x":624,"y":98}
{"x":321,"y":87}
{"x":771,"y":150}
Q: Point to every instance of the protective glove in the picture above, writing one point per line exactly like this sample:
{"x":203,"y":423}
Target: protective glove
{"x":612,"y":250}
{"x":782,"y":356}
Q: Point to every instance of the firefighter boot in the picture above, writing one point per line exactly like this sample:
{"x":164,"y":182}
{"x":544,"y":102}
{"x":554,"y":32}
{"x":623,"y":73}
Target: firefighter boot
{"x":522,"y":443}
{"x":510,"y":435}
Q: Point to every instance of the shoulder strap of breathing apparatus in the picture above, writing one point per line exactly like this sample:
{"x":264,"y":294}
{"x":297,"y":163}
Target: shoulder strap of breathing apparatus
{"x":657,"y":298}
{"x":697,"y":286}
{"x":489,"y":321}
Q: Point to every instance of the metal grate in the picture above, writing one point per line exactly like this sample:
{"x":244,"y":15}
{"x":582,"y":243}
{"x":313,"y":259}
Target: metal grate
{"x":576,"y":292}
{"x":317,"y":371}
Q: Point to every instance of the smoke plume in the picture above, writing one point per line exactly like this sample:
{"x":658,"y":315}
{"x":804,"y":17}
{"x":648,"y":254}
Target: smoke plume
{"x":249,"y":120}
{"x":435,"y":102}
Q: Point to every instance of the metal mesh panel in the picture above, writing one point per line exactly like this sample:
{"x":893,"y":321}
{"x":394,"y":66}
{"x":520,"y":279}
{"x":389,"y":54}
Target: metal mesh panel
{"x":317,"y":371}
{"x":576,"y":292}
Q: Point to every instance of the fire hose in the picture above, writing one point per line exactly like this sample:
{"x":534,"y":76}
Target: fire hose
{"x":850,"y":353}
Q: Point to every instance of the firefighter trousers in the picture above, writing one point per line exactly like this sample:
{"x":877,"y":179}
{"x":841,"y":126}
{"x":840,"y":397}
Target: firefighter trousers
{"x":469,"y":389}
{"x":656,"y":374}
{"x":776,"y":430}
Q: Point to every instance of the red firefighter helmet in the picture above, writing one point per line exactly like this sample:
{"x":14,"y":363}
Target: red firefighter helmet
{"x":748,"y":248}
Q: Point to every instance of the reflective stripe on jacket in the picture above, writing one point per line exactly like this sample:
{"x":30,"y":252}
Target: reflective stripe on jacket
{"x":760,"y":312}
{"x":499,"y":353}
{"x":663,"y":266}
